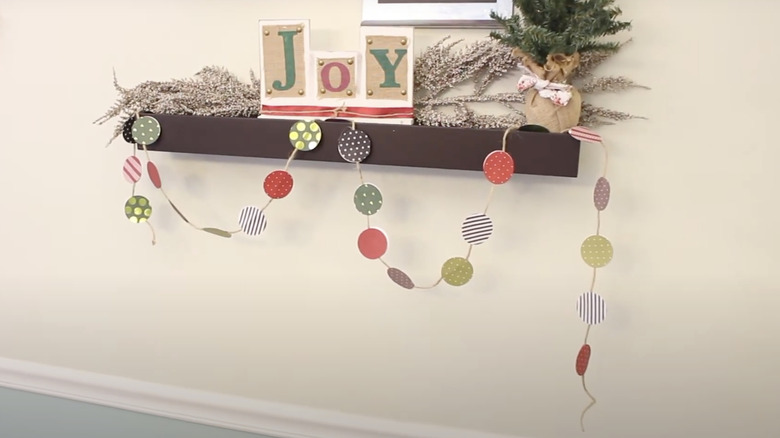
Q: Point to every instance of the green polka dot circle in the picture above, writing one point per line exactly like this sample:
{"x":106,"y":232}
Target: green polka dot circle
{"x":305,"y":135}
{"x":368,"y":199}
{"x":146,"y":130}
{"x":137,"y":209}
{"x":596,"y":251}
{"x":457,"y":271}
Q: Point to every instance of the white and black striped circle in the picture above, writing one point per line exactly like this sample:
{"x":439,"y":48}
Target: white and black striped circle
{"x":477,"y":228}
{"x":252,"y":221}
{"x":591,"y":308}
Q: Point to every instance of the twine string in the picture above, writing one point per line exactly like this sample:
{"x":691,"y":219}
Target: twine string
{"x":590,"y":405}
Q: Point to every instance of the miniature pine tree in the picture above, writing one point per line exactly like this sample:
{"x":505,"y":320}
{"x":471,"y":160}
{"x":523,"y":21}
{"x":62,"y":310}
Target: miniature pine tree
{"x":546,"y":27}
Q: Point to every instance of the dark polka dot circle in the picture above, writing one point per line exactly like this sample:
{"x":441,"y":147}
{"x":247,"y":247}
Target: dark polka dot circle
{"x":354,"y":145}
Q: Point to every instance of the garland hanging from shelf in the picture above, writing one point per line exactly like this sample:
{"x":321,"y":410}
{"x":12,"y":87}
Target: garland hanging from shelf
{"x":596,"y":252}
{"x":144,"y":131}
{"x":354,"y":146}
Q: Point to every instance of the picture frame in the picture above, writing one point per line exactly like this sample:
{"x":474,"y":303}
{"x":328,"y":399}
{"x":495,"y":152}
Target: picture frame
{"x":434,"y":13}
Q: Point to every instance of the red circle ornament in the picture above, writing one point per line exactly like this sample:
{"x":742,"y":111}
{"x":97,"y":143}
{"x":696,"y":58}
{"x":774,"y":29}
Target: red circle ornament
{"x":154,"y":174}
{"x":372,"y":243}
{"x":498,"y":167}
{"x":278,"y":184}
{"x":583,"y":358}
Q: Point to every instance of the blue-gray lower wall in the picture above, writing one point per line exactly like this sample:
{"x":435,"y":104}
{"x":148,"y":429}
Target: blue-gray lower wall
{"x":28,"y":415}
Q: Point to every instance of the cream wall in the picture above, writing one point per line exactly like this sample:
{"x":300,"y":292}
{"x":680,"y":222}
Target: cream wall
{"x":299,"y":316}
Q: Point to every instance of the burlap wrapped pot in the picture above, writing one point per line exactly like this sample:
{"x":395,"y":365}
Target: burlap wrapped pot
{"x":541,"y":111}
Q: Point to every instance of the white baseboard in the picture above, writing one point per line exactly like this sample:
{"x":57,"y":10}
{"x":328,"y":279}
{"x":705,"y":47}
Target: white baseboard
{"x":213,"y":409}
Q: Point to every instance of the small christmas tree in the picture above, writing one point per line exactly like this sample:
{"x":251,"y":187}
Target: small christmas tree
{"x":560,"y":26}
{"x":549,"y":37}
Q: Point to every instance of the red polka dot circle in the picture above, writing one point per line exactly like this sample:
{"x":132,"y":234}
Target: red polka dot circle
{"x":498,"y":167}
{"x":278,"y":184}
{"x":372,"y":243}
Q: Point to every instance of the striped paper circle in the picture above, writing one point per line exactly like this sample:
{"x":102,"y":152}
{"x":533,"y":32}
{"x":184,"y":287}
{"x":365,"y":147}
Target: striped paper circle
{"x":252,"y":220}
{"x":584,"y":134}
{"x":132,"y":169}
{"x":477,"y":228}
{"x":591,"y":308}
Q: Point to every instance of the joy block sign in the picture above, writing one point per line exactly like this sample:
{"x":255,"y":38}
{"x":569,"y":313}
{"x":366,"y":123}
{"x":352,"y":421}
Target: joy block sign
{"x":373,"y":84}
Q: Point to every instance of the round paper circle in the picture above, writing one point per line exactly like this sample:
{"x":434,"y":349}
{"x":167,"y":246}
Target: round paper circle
{"x":457,"y":271}
{"x":132,"y":169}
{"x":372,"y":243}
{"x":596,"y":251}
{"x":498,"y":167}
{"x":146,"y":130}
{"x":400,"y":278}
{"x":354,"y":146}
{"x":127,"y":130}
{"x":278,"y":184}
{"x":476,"y":229}
{"x":252,"y":221}
{"x":591,"y":308}
{"x":137,"y":209}
{"x":305,"y":135}
{"x":601,"y":194}
{"x":154,"y":174}
{"x":368,"y":199}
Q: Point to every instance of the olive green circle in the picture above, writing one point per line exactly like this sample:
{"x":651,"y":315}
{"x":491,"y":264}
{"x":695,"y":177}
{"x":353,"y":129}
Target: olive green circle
{"x":368,"y":199}
{"x":457,"y":271}
{"x":596,"y":251}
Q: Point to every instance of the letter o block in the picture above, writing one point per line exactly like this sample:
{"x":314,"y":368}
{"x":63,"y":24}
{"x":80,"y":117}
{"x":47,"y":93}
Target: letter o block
{"x":336,"y":78}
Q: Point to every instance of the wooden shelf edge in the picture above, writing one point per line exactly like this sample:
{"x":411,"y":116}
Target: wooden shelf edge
{"x":392,"y":145}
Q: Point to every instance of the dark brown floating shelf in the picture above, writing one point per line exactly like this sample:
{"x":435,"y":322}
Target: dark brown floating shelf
{"x":534,"y":153}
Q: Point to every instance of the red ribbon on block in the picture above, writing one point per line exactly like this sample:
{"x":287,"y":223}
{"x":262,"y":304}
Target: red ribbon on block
{"x":348,"y":111}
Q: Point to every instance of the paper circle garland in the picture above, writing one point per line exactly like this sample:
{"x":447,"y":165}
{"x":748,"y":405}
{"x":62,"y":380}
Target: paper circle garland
{"x":146,"y":130}
{"x":154,"y":174}
{"x":368,"y":199}
{"x":132,"y":169}
{"x":252,"y":221}
{"x":477,"y":228}
{"x":137,"y":209}
{"x":596,"y":251}
{"x":354,"y":145}
{"x":498,"y":167}
{"x":372,"y":243}
{"x":591,"y":308}
{"x":400,"y":278}
{"x":127,"y":130}
{"x":278,"y":184}
{"x":601,"y":194}
{"x":305,"y":135}
{"x":457,"y":271}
